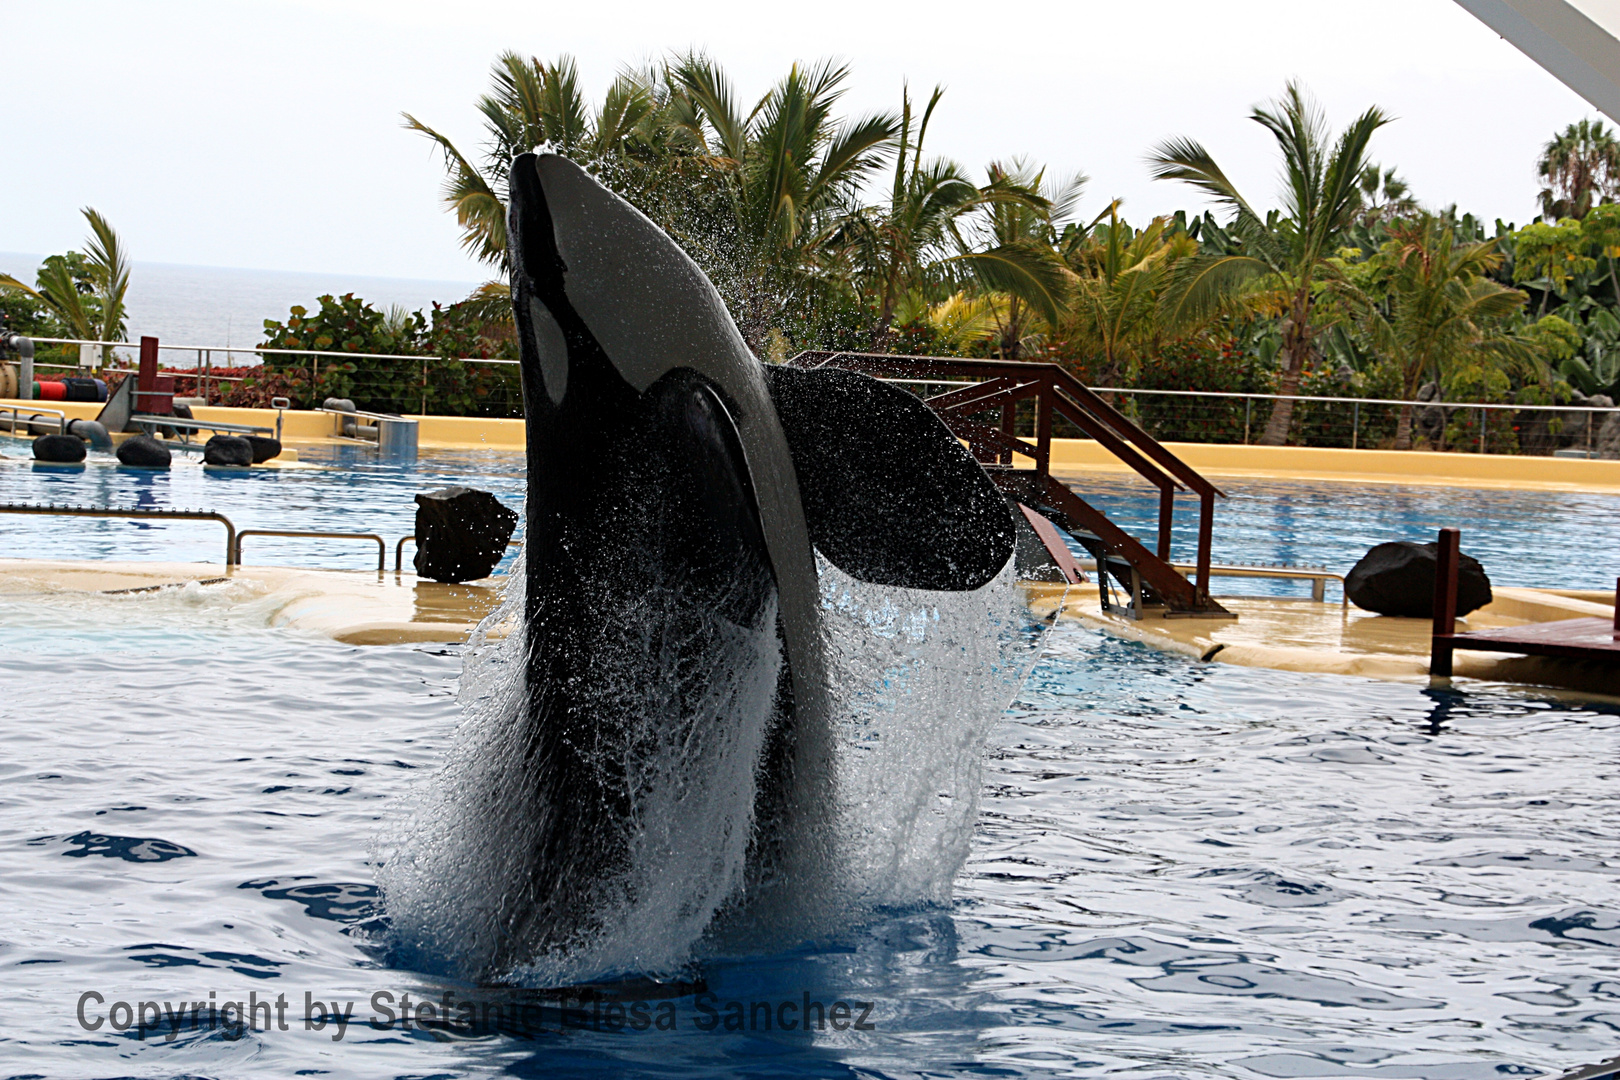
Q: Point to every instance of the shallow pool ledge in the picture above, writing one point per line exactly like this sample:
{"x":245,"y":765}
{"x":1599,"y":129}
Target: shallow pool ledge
{"x":351,"y":606}
{"x":1325,"y":638}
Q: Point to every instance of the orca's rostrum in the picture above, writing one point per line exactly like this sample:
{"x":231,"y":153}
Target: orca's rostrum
{"x":676,"y":698}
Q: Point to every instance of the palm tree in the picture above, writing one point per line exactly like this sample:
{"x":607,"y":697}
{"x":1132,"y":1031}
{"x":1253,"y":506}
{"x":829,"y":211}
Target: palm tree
{"x":534,"y":104}
{"x":1581,"y":167}
{"x":1009,"y":248}
{"x":1427,"y":302}
{"x":1121,"y":279}
{"x":1321,"y":196}
{"x":790,"y":173}
{"x":1384,"y":196}
{"x":95,"y":316}
{"x":898,"y":241}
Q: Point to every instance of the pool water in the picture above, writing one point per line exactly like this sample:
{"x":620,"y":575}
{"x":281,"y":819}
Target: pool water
{"x":1562,"y":539}
{"x":1179,"y":870}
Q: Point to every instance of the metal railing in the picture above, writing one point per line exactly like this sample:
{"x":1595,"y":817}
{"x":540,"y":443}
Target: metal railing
{"x":382,"y":545}
{"x":232,"y":539}
{"x":1316,"y":575}
{"x":17,"y":420}
{"x":1484,"y":427}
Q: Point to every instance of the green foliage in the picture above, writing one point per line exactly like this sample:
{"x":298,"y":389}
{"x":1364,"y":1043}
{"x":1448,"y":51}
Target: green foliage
{"x":1555,"y":337}
{"x":348,"y":324}
{"x":1293,"y":248}
{"x":22,"y":314}
{"x":1554,"y":253}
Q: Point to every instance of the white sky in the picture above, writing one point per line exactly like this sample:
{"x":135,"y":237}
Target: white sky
{"x":265,"y":133}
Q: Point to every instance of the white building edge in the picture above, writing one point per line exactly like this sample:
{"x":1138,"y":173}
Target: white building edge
{"x":1577,"y":41}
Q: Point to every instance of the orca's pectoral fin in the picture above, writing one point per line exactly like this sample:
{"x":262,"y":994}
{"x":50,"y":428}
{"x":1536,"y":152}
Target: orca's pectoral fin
{"x":890,"y":496}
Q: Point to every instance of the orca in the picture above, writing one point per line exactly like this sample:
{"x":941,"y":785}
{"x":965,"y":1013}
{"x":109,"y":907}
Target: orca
{"x":679,"y":492}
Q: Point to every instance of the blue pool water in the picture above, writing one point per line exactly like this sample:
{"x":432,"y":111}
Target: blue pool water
{"x":1563,"y":539}
{"x":1180,"y":869}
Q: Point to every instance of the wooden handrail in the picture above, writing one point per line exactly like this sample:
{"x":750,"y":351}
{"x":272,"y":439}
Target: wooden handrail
{"x":1002,"y":385}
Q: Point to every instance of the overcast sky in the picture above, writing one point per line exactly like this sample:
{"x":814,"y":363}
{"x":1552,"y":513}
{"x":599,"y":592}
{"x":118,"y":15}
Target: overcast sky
{"x":265,"y":133}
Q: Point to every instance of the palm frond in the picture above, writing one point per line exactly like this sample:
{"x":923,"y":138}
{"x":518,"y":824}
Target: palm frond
{"x":1026,"y":270}
{"x":1186,"y":160}
{"x":1206,"y":286}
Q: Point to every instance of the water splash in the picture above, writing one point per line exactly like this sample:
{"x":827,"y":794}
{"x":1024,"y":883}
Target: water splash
{"x":918,"y":678}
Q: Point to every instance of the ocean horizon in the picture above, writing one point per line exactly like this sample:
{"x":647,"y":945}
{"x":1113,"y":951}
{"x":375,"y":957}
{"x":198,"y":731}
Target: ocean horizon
{"x":219,"y":307}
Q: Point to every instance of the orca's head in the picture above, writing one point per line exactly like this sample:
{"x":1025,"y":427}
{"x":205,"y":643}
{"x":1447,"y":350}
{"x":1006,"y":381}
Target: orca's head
{"x":601,"y":294}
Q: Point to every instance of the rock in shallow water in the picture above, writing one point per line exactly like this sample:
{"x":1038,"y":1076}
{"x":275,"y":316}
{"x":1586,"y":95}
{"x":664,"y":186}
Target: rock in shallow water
{"x":1398,"y":579}
{"x":461,"y":533}
{"x":60,"y":449}
{"x":143,"y":452}
{"x":227,"y":450}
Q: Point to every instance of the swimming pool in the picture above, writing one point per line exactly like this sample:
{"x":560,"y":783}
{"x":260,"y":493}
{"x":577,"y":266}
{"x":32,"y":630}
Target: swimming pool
{"x":1532,"y":538}
{"x":1179,"y":869}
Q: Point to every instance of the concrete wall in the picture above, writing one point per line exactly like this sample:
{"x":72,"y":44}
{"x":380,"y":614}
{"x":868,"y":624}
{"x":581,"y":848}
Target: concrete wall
{"x":1068,"y":455}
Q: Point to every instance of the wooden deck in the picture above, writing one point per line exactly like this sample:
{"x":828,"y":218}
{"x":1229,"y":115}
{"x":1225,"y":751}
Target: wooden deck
{"x":1568,"y":639}
{"x":1574,"y":639}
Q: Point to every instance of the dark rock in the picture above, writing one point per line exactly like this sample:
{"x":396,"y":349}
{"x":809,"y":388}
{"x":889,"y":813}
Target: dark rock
{"x":1430,"y":422}
{"x":63,"y":449}
{"x":143,"y":452}
{"x":264,"y":448}
{"x":1608,"y":439}
{"x":227,"y":450}
{"x":1398,"y":579}
{"x":461,"y":533}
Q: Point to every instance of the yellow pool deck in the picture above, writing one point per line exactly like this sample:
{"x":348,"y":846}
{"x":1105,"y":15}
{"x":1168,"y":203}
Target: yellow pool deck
{"x":1330,"y":639}
{"x":1069,"y":456}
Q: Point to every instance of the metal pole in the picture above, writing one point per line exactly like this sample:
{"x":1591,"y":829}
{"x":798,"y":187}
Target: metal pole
{"x":1355,"y":424}
{"x":1445,"y":603}
{"x":1206,"y":532}
{"x":1482,"y":415}
{"x":424,"y":386}
{"x":1248,"y":408}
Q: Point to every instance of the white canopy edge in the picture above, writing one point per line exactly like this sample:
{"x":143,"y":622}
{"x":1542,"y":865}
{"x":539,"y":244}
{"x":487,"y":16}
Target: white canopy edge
{"x":1578,"y":43}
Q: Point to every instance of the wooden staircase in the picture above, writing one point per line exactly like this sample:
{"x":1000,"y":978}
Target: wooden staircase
{"x":982,"y":414}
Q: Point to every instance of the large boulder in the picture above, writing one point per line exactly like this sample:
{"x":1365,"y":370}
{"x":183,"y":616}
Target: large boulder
{"x":1608,"y":439}
{"x":1430,"y":422}
{"x":264,"y":448}
{"x":461,"y":533}
{"x":1398,"y":579}
{"x":143,"y":452}
{"x":227,"y":450}
{"x":59,"y":449}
